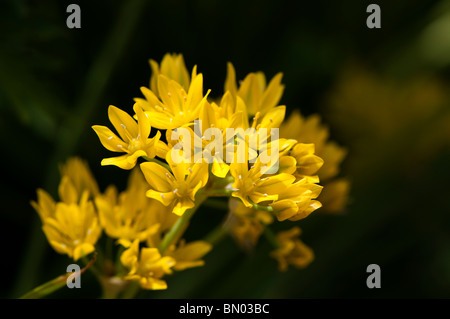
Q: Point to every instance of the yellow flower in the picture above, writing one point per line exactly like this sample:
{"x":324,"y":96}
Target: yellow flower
{"x":292,"y":251}
{"x":307,"y":162}
{"x":80,"y":175}
{"x":174,"y":107}
{"x":188,"y":255}
{"x":297,"y":201}
{"x":252,"y":186}
{"x":134,"y":137}
{"x":76,"y":178}
{"x":259,"y":135}
{"x":258,"y":96}
{"x":129,"y":216}
{"x":73,"y":229}
{"x":71,"y":225}
{"x":315,"y":135}
{"x":247,"y":224}
{"x":335,"y":194}
{"x":147,"y":266}
{"x":176,"y":190}
{"x":45,"y":205}
{"x":231,"y":113}
{"x":172,"y":66}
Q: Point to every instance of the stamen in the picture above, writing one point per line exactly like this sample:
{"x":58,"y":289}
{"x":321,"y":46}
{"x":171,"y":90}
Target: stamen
{"x":190,"y":170}
{"x":255,"y":119}
{"x":162,"y":195}
{"x":175,"y":190}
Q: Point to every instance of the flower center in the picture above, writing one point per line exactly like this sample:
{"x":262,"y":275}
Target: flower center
{"x":181,"y":189}
{"x":134,"y":145}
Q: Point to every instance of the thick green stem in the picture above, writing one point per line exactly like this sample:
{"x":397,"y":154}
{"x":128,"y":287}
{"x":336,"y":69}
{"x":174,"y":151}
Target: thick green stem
{"x":180,"y":224}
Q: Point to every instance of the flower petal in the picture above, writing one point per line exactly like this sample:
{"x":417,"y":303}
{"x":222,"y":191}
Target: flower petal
{"x":144,"y":127}
{"x":272,"y":94}
{"x":109,"y":140}
{"x":230,"y":80}
{"x":119,"y":161}
{"x":182,"y":205}
{"x":125,"y":125}
{"x":157,"y":176}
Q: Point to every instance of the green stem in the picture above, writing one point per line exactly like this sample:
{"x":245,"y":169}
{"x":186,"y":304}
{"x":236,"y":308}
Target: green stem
{"x":271,"y":238}
{"x":120,"y":269}
{"x":220,"y":192}
{"x":216,"y":235}
{"x":157,"y":161}
{"x":131,"y":291}
{"x":109,"y":248}
{"x":113,"y":286}
{"x":180,"y":224}
{"x":264,"y":208}
{"x":92,"y":267}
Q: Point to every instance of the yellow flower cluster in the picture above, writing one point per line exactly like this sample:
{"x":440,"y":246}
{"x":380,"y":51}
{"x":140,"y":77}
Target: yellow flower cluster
{"x":74,"y":225}
{"x":310,"y":130}
{"x":71,"y":225}
{"x":184,"y":148}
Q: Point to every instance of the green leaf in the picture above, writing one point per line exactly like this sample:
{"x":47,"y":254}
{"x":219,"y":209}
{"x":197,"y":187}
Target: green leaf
{"x":46,"y":289}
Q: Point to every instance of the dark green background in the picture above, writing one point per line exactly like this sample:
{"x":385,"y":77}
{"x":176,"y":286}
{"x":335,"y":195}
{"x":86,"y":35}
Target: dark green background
{"x":55,"y":83}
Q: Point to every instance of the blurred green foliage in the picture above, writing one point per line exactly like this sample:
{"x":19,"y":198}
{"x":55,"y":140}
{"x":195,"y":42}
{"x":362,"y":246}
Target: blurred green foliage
{"x":382,"y":91}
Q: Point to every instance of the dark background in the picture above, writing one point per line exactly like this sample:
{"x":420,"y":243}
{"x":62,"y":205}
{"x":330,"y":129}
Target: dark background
{"x":383,"y":92}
